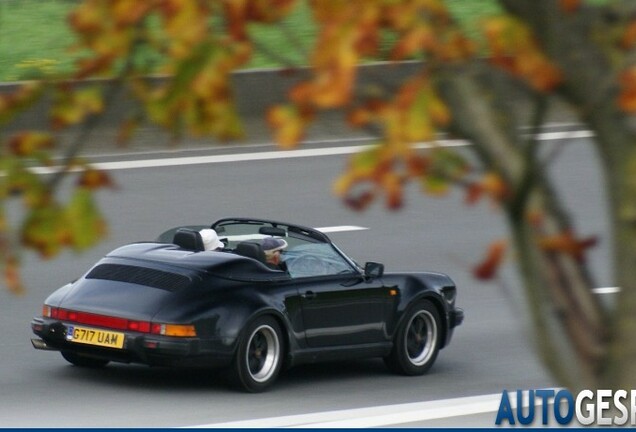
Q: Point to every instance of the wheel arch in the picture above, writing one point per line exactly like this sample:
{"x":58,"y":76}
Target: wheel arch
{"x":280,"y":320}
{"x":438,"y":303}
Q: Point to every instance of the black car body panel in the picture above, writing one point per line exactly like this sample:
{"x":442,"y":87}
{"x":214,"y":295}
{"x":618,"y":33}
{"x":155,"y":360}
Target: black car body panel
{"x":336,"y":312}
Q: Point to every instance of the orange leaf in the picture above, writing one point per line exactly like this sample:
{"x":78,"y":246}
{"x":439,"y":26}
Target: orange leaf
{"x":570,"y":6}
{"x":360,"y":201}
{"x":418,"y":39}
{"x":568,"y":244}
{"x":417,"y":165}
{"x":28,"y":143}
{"x":95,"y":179}
{"x":392,"y":185}
{"x":12,"y":275}
{"x":490,"y":185}
{"x":629,"y":37}
{"x":359,"y":117}
{"x":474,"y":192}
{"x":513,"y":47}
{"x":627,"y":97}
{"x":487,"y":269}
{"x":289,"y":124}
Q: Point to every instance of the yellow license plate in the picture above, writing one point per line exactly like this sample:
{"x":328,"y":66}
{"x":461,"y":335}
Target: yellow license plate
{"x":92,"y":336}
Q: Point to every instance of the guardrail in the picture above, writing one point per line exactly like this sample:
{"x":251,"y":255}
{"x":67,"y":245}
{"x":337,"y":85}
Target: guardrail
{"x":255,"y":91}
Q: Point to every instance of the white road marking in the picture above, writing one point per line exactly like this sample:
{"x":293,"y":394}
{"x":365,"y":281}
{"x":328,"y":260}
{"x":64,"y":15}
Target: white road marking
{"x":387,"y":415}
{"x":342,"y":228}
{"x":288,"y":154}
{"x":607,"y":290}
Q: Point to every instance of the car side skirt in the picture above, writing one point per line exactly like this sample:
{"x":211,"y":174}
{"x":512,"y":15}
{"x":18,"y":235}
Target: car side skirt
{"x":349,"y":352}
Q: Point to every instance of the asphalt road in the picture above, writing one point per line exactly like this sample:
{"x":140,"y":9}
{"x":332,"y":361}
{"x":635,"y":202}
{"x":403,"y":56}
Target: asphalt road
{"x":491,"y":351}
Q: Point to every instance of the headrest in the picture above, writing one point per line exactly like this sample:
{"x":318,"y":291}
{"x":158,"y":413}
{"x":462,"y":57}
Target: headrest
{"x":188,"y":239}
{"x":251,"y":250}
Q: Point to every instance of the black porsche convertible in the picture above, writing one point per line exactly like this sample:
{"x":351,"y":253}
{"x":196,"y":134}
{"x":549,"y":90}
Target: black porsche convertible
{"x":171,"y":303}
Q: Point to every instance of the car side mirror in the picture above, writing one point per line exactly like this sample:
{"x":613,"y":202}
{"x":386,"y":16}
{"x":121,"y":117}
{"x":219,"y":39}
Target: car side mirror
{"x":373,"y":270}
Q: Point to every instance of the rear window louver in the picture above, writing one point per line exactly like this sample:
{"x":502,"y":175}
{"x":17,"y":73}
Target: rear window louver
{"x":140,"y":276}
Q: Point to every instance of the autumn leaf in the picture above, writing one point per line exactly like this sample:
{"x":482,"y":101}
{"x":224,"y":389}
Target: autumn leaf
{"x":627,"y":97}
{"x":491,"y":185}
{"x":46,"y":230}
{"x":628,"y":41}
{"x":92,"y":179}
{"x":13,"y":103}
{"x":86,"y":225}
{"x":185,"y":24}
{"x":289,"y":124}
{"x":488,"y":268}
{"x":418,"y":39}
{"x":567,"y":243}
{"x":392,"y":185}
{"x":12,"y":275}
{"x":29,"y":143}
{"x":417,"y":165}
{"x":435,"y":185}
{"x":513,"y":47}
{"x":570,"y":6}
{"x":360,"y":201}
{"x":239,"y":13}
{"x":73,"y":106}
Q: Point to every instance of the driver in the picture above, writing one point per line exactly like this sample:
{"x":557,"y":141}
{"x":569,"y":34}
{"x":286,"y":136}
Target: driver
{"x":273,"y":248}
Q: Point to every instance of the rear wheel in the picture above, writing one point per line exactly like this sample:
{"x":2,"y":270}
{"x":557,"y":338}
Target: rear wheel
{"x":416,"y":343}
{"x":83,"y":361}
{"x":259,"y":355}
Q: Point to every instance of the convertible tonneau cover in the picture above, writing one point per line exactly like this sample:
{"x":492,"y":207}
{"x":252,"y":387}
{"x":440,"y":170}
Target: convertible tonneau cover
{"x":220,"y":264}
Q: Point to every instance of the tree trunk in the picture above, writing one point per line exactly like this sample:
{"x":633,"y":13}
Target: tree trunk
{"x":568,"y":320}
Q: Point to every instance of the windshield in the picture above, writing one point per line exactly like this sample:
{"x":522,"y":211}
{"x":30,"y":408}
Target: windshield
{"x":308,"y":252}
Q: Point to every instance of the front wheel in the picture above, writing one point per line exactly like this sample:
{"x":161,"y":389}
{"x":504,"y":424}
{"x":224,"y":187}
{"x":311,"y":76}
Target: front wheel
{"x":83,"y":361}
{"x":259,"y":355}
{"x":417,"y":341}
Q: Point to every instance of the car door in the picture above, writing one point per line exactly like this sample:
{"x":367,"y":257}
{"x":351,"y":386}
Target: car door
{"x":338,"y":306}
{"x":344,"y":311}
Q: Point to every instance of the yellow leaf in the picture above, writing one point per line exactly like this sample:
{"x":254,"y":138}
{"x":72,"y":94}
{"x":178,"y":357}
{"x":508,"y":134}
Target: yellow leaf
{"x":85,"y":224}
{"x":73,"y":106}
{"x":29,"y":143}
{"x":288,"y":125}
{"x":46,"y":230}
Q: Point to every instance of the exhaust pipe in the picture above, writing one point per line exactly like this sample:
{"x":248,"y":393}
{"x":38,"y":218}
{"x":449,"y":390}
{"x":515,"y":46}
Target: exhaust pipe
{"x":41,"y":345}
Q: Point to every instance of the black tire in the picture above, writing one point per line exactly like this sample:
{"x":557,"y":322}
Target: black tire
{"x":83,"y":361}
{"x":259,"y":356}
{"x":417,"y":341}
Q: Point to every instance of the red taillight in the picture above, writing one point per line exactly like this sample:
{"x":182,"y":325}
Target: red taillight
{"x":139,"y":326}
{"x":105,"y":321}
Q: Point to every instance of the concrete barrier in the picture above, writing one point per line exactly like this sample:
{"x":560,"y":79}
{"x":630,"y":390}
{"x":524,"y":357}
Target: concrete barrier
{"x":255,"y":91}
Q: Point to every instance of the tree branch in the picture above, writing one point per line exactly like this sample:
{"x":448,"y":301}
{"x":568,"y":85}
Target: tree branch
{"x":532,"y":170}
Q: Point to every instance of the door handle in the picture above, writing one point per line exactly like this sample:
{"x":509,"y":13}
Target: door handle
{"x":309,"y":295}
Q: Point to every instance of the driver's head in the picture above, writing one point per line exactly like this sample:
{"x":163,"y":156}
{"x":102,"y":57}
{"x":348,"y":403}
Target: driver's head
{"x":272,"y":247}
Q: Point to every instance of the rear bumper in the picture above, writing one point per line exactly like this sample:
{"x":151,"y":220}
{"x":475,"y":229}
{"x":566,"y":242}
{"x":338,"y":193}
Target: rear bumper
{"x":152,"y":350}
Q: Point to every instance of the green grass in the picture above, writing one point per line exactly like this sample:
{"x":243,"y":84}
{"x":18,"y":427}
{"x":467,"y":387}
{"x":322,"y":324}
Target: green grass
{"x":33,"y":38}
